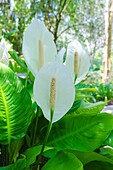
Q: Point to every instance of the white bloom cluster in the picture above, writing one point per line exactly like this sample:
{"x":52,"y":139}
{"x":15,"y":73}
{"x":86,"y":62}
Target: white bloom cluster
{"x":46,"y":65}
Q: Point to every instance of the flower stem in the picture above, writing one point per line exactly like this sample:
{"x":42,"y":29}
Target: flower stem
{"x":45,"y":140}
{"x":35,"y":129}
{"x":75,"y":78}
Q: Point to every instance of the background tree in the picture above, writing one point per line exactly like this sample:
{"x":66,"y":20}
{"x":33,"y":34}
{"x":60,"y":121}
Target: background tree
{"x":108,"y":40}
{"x":66,"y":19}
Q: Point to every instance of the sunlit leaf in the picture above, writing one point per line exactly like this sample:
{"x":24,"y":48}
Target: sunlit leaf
{"x":15,"y":106}
{"x":84,"y":132}
{"x":63,"y":160}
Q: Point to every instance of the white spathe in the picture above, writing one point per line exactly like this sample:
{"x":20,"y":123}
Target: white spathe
{"x":83,"y":60}
{"x":38,"y":46}
{"x":4,"y":52}
{"x":65,"y":91}
{"x":60,"y":55}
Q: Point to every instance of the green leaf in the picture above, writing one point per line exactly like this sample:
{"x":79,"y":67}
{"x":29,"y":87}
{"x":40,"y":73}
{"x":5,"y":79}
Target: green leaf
{"x":98,"y":165}
{"x":87,"y":89}
{"x":14,"y":150}
{"x":17,"y":59}
{"x":15,"y":107}
{"x":86,"y":157}
{"x":90,"y":108}
{"x":33,"y":152}
{"x":50,"y":153}
{"x":107,"y":151}
{"x":81,"y":132}
{"x":109,"y":140}
{"x":75,"y":106}
{"x":20,"y":164}
{"x":63,"y":160}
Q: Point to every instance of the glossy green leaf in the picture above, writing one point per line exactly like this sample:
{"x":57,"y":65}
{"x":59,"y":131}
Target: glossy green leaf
{"x":97,"y":165}
{"x":107,"y":151}
{"x":75,"y":106}
{"x":14,"y":150}
{"x":15,"y":107}
{"x":81,"y":132}
{"x":63,"y":160}
{"x":20,"y":164}
{"x":17,"y":59}
{"x":86,"y":157}
{"x":88,"y":89}
{"x":32,"y":153}
{"x":90,"y":108}
{"x":109,"y":140}
{"x":50,"y":153}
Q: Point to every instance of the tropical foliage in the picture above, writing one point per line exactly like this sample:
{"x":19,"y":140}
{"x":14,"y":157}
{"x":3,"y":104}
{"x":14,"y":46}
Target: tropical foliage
{"x":51,"y":111}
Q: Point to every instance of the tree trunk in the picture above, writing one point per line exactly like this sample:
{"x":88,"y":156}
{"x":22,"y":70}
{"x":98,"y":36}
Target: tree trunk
{"x":108,"y":41}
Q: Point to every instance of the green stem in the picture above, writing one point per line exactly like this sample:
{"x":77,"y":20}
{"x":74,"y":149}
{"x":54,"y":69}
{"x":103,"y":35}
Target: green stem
{"x":35,"y":129}
{"x":7,"y":154}
{"x":45,"y":140}
{"x":75,"y":78}
{"x":9,"y":151}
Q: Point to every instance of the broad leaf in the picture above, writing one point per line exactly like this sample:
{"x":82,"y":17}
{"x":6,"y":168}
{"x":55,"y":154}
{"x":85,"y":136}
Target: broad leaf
{"x":32,"y":153}
{"x":63,"y":160}
{"x":15,"y":107}
{"x":90,"y":108}
{"x":75,"y":106}
{"x":86,"y":157}
{"x":109,"y":140}
{"x":20,"y":164}
{"x":98,"y":165}
{"x":14,"y":150}
{"x":17,"y":59}
{"x":81,"y":132}
{"x":107,"y":151}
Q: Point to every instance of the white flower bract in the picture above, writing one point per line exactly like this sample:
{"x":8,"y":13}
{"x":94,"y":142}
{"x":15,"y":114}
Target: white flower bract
{"x":65,"y":91}
{"x":83,"y":60}
{"x":38,"y":46}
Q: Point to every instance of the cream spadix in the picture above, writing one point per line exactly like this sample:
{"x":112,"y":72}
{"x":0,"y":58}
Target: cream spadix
{"x":52,"y":93}
{"x":77,"y":60}
{"x":38,"y":46}
{"x":54,"y":88}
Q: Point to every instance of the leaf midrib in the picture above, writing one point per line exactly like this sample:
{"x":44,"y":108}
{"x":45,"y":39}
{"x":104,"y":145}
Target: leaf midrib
{"x":71,"y":133}
{"x":7,"y":115}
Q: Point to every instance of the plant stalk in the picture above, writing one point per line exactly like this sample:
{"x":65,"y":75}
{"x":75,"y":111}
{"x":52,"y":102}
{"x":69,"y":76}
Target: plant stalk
{"x":45,"y":140}
{"x":35,"y":130}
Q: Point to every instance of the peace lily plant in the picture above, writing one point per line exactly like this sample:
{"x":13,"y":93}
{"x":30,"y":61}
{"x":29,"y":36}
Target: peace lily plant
{"x":64,"y":130}
{"x":54,"y":85}
{"x":39,"y":49}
